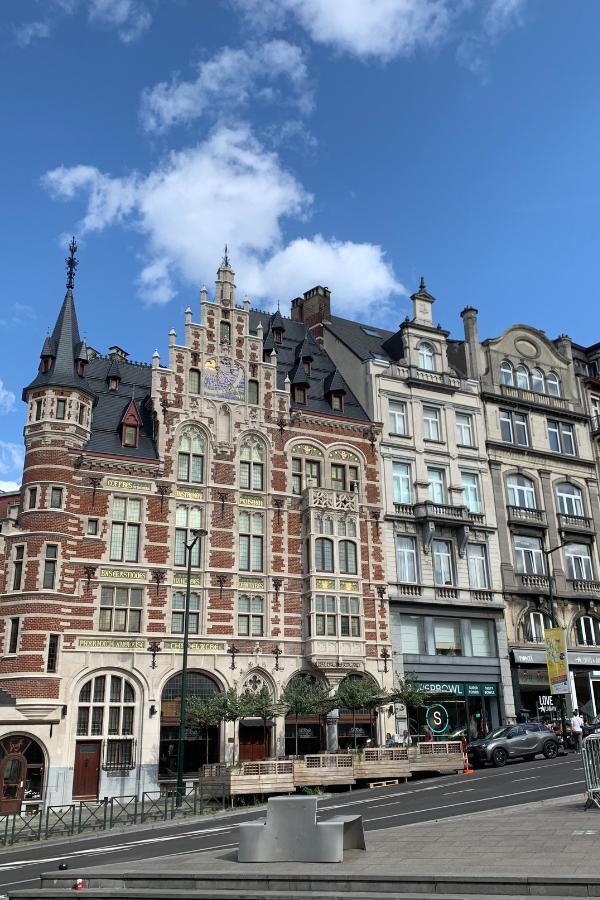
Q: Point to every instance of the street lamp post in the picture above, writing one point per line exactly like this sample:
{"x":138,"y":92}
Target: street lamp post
{"x":552,"y":604}
{"x":197,"y":534}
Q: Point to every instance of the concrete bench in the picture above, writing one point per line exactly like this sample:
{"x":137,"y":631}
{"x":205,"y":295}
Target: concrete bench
{"x":291,"y":833}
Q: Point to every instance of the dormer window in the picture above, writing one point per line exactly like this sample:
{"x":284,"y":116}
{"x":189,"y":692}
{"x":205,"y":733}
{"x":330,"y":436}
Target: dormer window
{"x":278,"y":335}
{"x":80,"y":368}
{"x":113,"y":384}
{"x":307,"y":363}
{"x":130,"y":425}
{"x":46,"y":364}
{"x":426,"y":357}
{"x":130,"y":436}
{"x":337,"y":401}
{"x":300,"y":394}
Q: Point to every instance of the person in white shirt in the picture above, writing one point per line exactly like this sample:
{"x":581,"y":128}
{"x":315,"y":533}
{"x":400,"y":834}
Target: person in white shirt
{"x":577,"y":730}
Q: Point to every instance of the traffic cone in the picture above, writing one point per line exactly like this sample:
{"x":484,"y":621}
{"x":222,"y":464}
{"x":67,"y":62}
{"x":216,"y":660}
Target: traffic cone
{"x":79,"y":885}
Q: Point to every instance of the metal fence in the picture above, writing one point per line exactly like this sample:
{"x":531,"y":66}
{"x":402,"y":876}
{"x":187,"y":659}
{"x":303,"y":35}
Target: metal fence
{"x":102,"y":815}
{"x":591,"y":764}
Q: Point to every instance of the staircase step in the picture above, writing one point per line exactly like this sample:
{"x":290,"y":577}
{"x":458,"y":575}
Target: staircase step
{"x":340,"y":894}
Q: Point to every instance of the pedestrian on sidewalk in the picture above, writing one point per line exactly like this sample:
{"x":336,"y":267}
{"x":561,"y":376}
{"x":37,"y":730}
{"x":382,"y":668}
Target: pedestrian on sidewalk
{"x":577,"y":730}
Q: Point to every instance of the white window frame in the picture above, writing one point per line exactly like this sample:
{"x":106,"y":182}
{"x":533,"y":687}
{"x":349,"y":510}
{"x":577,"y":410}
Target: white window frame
{"x":432,"y":428}
{"x":401,"y":482}
{"x":464,"y":429}
{"x":443,"y":563}
{"x":436,"y":487}
{"x":426,"y":356}
{"x":528,"y":560}
{"x":471,"y":492}
{"x":398,"y":417}
{"x":566,"y":499}
{"x":406,"y":559}
{"x":507,"y":373}
{"x":477,"y":563}
{"x":517,"y":492}
{"x":587,"y":631}
{"x":578,"y":557}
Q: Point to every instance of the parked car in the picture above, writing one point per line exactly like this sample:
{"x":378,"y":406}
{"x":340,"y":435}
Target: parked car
{"x":513,"y":742}
{"x":591,"y":726}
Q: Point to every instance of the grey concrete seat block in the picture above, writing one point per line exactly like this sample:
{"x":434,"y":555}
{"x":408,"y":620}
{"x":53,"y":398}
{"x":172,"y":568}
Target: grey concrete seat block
{"x":291,"y":833}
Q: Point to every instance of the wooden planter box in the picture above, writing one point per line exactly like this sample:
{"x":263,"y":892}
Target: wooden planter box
{"x":324,"y":768}
{"x":267,"y":777}
{"x":382,"y":763}
{"x":436,"y":756}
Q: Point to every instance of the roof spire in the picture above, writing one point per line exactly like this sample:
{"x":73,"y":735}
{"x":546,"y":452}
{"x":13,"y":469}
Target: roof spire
{"x":422,"y":284}
{"x":225,"y":261}
{"x":72,"y":262}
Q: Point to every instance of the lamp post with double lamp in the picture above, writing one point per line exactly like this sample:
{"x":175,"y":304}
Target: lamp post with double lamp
{"x":197,"y":534}
{"x":552,"y":605}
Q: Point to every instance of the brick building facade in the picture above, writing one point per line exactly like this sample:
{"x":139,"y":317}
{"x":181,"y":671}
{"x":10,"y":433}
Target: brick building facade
{"x":249,"y":432}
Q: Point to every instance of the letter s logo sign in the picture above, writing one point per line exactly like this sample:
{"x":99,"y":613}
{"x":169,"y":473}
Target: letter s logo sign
{"x":437,"y":718}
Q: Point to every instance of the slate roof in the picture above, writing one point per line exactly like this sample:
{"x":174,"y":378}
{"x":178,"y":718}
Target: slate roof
{"x":357,"y":339}
{"x":295,"y":337}
{"x":136,"y":381}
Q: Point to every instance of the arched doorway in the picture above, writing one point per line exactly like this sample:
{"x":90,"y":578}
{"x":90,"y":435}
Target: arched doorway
{"x":22,"y":769}
{"x":304,"y":731}
{"x":201,"y":745}
{"x":356,"y":727}
{"x":255,"y":732}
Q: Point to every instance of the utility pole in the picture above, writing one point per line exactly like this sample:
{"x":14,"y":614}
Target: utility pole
{"x":180,"y":790}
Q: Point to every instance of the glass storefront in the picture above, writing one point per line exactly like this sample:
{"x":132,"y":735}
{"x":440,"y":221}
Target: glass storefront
{"x":455,"y":708}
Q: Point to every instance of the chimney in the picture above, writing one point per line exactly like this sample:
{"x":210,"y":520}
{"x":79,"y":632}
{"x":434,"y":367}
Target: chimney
{"x":314,"y":308}
{"x":472,"y":345}
{"x":118,"y":352}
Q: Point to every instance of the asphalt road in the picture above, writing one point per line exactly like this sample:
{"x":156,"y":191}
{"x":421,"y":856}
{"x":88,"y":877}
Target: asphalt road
{"x":405,"y":804}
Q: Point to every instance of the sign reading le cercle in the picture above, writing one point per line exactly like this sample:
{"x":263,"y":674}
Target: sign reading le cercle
{"x":127,"y":574}
{"x":205,"y":646}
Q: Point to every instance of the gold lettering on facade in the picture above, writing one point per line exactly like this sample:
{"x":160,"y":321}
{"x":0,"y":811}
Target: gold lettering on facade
{"x":124,"y":484}
{"x":204,"y":646}
{"x":325,"y":584}
{"x":180,"y":579}
{"x":252,"y":584}
{"x":112,"y":643}
{"x":246,"y":500}
{"x":186,"y":494}
{"x":348,"y":585}
{"x":127,"y":574}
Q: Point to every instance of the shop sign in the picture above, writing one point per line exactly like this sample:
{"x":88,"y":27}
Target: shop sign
{"x":189,"y":494}
{"x":333,"y":663}
{"x":305,"y":732}
{"x":437,"y":718}
{"x":529,"y":656}
{"x":181,"y":580}
{"x":252,"y":584}
{"x":125,"y":484}
{"x":534,"y":677}
{"x":111,"y":643}
{"x":556,"y":660}
{"x":126,"y":574}
{"x":474,"y":690}
{"x":443,"y":687}
{"x":249,"y":500}
{"x":489,"y":690}
{"x":545,"y":703}
{"x":203,"y":646}
{"x":325,"y":584}
{"x":584,"y":659}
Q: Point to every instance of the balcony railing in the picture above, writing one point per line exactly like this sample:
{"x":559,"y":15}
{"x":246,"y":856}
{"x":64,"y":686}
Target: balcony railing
{"x":526,"y":516}
{"x":585,"y":587}
{"x":325,"y":498}
{"x":446,"y":593}
{"x":534,"y":582}
{"x":532,"y":397}
{"x":575,"y":523}
{"x":404,"y":509}
{"x":442,"y":512}
{"x":409,"y":590}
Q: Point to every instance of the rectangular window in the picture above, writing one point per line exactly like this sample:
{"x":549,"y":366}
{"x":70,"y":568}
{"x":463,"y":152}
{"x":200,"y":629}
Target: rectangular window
{"x":50,"y":566}
{"x":579,"y":562}
{"x":56,"y":498}
{"x":336,"y":616}
{"x":13,"y":639}
{"x":324,"y":555}
{"x":18,"y":567}
{"x":32,"y":498}
{"x":61,"y":408}
{"x":470,"y":486}
{"x":130,"y":436}
{"x":436,"y":479}
{"x":125,"y":532}
{"x":529,"y":559}
{"x":121,"y":609}
{"x":521,"y":429}
{"x":402,"y":482}
{"x":447,"y":633}
{"x":251,"y":616}
{"x":398,"y":419}
{"x":81,"y":413}
{"x":464,"y":429}
{"x":253,"y":392}
{"x":119,"y":754}
{"x":338,"y":477}
{"x":561,"y":438}
{"x":406,"y":557}
{"x":194,"y":381}
{"x":52,"y":658}
{"x":178,"y":613}
{"x":39,"y":406}
{"x":349,"y":608}
{"x":251,"y":542}
{"x":506,"y":429}
{"x":481,"y":637}
{"x":92,"y":527}
{"x":431,"y":424}
{"x":514,"y":428}
{"x":412,"y":635}
{"x":478,"y":567}
{"x":305,"y":473}
{"x":443,"y":571}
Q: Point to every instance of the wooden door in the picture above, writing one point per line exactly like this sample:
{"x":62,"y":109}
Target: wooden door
{"x":86,"y":776}
{"x":252,"y":743}
{"x":12,"y":783}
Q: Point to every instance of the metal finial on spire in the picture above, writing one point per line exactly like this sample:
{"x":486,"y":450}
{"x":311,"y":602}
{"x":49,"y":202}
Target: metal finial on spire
{"x":72,"y":262}
{"x":225,"y":261}
{"x":422,"y":284}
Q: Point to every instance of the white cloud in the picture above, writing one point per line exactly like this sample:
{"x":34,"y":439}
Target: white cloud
{"x":130,"y":17}
{"x":11,"y":463}
{"x":364,"y":28}
{"x":227,"y":82}
{"x":502,"y":15}
{"x":227,"y":189}
{"x":7,"y":399}
{"x":31,"y":31}
{"x":9,"y":486}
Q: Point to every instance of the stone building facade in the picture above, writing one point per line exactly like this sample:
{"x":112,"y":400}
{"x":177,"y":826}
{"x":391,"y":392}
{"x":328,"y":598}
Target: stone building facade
{"x":248,"y":431}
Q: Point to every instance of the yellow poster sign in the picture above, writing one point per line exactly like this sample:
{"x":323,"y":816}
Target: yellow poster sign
{"x":557,"y":660}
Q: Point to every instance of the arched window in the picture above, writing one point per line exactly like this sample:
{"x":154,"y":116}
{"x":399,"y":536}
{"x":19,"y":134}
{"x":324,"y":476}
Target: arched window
{"x":426,"y":357}
{"x":347,"y":557}
{"x":537,"y":381}
{"x":506,"y":373}
{"x":521,"y":492}
{"x":252,"y":459}
{"x":569,"y":499}
{"x":553,"y":384}
{"x":106,"y":709}
{"x":324,"y":555}
{"x":178,"y":613}
{"x":187,"y":520}
{"x":587,"y":631}
{"x":534,"y":623}
{"x":201,"y":745}
{"x":522,"y":376}
{"x":190,"y":459}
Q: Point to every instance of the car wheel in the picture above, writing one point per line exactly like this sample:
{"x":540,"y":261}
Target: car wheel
{"x":499,"y":757}
{"x":530,"y":757}
{"x":550,"y":750}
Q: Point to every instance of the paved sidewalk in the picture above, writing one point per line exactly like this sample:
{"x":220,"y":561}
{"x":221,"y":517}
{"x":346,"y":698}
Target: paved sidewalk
{"x":551,"y":837}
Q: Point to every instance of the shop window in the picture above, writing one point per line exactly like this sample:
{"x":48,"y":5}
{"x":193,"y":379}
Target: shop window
{"x":188,"y":519}
{"x":443,"y":568}
{"x":18,"y":564}
{"x":471,"y":495}
{"x":412,"y":634}
{"x":252,"y":464}
{"x":190,"y":458}
{"x":406,"y":557}
{"x":121,"y":609}
{"x":50,"y":562}
{"x":506,"y":373}
{"x":125,"y":529}
{"x":482,"y":641}
{"x":436,"y":481}
{"x":529,"y":558}
{"x":520,"y":491}
{"x":426,"y":357}
{"x":587,"y":631}
{"x":178,"y":613}
{"x":432,"y":430}
{"x":52,"y":658}
{"x":569,"y":499}
{"x":401,"y":482}
{"x":579,"y":562}
{"x":448,"y":638}
{"x":251,"y":530}
{"x":478,"y":566}
{"x":251,"y":616}
{"x":398,"y":417}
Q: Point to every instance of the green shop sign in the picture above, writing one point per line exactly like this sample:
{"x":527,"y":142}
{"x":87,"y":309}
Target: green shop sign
{"x":460,"y":689}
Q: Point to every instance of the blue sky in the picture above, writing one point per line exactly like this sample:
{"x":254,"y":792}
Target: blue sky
{"x":349,"y":143}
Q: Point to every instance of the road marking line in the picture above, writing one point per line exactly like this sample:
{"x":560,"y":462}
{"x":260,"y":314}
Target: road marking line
{"x":467,"y":802}
{"x":464,"y":791}
{"x":529,"y":778}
